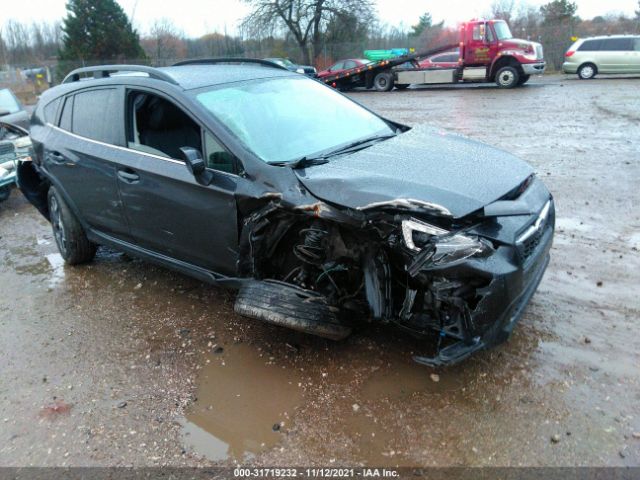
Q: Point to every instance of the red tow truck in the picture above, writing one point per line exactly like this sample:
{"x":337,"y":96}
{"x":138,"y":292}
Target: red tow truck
{"x":488,"y":53}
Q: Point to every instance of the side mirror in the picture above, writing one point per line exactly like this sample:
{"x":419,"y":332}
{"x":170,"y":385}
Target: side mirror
{"x":193,"y":160}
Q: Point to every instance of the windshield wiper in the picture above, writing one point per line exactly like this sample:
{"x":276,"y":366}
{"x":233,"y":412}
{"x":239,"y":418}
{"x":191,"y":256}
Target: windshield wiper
{"x":359,"y":144}
{"x":303,"y":162}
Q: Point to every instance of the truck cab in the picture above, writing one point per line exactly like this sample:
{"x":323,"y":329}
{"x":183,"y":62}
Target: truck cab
{"x":488,"y":47}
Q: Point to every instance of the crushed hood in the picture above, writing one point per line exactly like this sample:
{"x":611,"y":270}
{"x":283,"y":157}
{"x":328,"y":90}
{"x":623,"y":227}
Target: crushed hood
{"x":424,"y":168}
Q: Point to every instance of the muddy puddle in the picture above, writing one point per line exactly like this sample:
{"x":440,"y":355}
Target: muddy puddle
{"x":245,"y":404}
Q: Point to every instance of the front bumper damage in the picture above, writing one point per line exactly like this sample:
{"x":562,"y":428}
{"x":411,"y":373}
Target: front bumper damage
{"x":505,"y":280}
{"x":356,"y":269}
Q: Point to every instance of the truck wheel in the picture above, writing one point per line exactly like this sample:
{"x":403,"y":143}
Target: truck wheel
{"x":507,"y":77}
{"x":402,"y":86}
{"x":587,"y":71}
{"x":383,"y":81}
{"x":524,"y":79}
{"x":73,"y":244}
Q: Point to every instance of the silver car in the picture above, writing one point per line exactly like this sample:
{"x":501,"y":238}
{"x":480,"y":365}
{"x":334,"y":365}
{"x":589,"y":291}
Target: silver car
{"x":610,"y":54}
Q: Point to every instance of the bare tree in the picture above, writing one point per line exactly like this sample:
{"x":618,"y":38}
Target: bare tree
{"x":503,"y":9}
{"x":165,"y":42}
{"x":305,"y":20}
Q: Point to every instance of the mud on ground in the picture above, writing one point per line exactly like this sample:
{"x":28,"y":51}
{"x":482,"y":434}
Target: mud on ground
{"x":123,"y":363}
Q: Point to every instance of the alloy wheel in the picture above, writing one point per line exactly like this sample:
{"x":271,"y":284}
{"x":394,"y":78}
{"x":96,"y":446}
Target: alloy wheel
{"x":58,"y":225}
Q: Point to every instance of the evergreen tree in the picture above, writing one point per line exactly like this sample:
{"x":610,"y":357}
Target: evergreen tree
{"x":424,"y":22}
{"x":98,"y":30}
{"x":559,"y":11}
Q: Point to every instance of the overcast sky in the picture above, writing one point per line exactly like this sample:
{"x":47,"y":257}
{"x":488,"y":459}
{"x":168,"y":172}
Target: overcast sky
{"x":197,"y":17}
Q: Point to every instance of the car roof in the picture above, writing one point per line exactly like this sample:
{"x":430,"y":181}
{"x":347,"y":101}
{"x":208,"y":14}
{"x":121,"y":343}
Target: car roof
{"x":198,"y":76}
{"x":186,"y":77}
{"x":602,"y":37}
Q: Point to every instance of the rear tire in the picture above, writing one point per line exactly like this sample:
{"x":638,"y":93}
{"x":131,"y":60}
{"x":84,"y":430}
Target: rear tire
{"x":587,"y":71}
{"x":383,"y":82}
{"x":72,"y":242}
{"x":507,"y":77}
{"x":5,"y":193}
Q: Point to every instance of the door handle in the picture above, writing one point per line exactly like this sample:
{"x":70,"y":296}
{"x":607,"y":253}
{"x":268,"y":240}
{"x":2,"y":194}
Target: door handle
{"x":56,"y":157}
{"x":128,"y":176}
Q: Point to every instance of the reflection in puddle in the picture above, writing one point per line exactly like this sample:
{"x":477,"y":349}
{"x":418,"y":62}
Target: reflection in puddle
{"x":405,"y":379}
{"x":240,"y":398}
{"x":57,"y":265}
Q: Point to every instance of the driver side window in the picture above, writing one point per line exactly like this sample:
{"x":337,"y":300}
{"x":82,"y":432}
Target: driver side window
{"x":158,"y":127}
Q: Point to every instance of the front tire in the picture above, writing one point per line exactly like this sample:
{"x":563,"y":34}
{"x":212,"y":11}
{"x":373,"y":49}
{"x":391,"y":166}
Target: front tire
{"x":383,"y":82}
{"x":507,"y":77}
{"x":72,"y":242}
{"x":524,"y":79}
{"x":587,"y":71}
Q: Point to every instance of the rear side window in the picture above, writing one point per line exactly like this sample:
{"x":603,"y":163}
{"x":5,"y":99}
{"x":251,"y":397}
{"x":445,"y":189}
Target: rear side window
{"x":96,"y":115}
{"x":590,"y":46}
{"x":50,"y":110}
{"x":617,"y":44}
{"x":65,"y":118}
{"x":636,"y":44}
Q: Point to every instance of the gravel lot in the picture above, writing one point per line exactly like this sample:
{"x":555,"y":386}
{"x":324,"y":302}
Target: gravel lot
{"x":123,"y":363}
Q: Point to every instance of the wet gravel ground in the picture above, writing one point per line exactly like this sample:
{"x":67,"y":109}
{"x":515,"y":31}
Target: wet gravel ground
{"x":123,"y":363}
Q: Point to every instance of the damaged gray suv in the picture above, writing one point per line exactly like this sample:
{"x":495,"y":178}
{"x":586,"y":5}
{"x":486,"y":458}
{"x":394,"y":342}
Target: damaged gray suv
{"x":324,"y":215}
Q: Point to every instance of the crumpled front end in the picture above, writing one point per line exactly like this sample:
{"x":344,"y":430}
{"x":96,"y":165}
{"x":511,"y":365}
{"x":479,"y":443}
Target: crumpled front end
{"x":474,"y":303}
{"x":324,"y":269}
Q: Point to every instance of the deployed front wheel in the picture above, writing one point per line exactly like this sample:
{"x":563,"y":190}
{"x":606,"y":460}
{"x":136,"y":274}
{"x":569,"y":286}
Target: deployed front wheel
{"x":507,"y":77}
{"x":73,"y":244}
{"x":383,"y":82}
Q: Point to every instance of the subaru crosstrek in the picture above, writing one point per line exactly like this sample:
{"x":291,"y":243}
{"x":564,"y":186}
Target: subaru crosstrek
{"x":323,"y":214}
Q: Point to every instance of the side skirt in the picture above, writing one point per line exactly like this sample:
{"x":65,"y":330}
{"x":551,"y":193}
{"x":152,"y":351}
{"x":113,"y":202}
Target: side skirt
{"x":168,"y":262}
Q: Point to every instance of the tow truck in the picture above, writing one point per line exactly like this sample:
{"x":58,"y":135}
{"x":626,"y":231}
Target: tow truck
{"x":488,"y":53}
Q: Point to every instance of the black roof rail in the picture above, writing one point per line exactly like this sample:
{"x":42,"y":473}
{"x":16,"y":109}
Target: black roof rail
{"x":105,"y":71}
{"x":231,"y":60}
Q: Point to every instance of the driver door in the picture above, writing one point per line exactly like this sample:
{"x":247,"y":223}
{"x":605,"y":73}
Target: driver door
{"x":169,"y":212}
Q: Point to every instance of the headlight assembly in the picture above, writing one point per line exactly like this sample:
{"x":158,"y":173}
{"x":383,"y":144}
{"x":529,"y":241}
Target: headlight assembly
{"x":444,"y":247}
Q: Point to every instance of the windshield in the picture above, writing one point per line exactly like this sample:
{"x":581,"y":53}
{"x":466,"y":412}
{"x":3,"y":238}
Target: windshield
{"x":8,"y":101}
{"x":287,"y":118}
{"x":502,"y":31}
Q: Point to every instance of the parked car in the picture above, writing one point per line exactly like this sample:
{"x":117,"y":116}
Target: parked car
{"x":441,"y":60}
{"x":611,"y":54}
{"x":293,"y":67}
{"x":324,"y":215}
{"x":11,"y":110}
{"x":343,"y":65}
{"x":15,"y":146}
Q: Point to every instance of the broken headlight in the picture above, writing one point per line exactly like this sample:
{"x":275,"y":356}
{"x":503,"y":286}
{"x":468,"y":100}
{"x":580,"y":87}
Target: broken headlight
{"x":446,"y":247}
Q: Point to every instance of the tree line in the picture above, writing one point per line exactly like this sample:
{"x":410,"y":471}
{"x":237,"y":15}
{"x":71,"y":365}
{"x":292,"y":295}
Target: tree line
{"x":314,"y":32}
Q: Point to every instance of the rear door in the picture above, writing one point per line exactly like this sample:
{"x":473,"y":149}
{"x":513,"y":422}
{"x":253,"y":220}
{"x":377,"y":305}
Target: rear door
{"x":615,"y":55}
{"x":81,"y":154}
{"x":168,"y":210}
